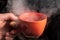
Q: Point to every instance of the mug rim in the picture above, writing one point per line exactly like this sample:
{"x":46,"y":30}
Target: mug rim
{"x":45,"y":18}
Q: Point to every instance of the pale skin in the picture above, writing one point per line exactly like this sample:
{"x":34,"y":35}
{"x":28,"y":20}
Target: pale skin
{"x":3,"y":21}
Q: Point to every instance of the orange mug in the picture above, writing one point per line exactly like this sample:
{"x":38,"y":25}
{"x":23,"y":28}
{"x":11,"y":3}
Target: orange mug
{"x":33,"y":23}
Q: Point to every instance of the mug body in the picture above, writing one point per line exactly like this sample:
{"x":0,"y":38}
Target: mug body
{"x":33,"y":23}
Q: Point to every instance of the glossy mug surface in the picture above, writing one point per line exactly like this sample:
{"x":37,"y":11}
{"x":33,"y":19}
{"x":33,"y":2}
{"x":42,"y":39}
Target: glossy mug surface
{"x":33,"y":23}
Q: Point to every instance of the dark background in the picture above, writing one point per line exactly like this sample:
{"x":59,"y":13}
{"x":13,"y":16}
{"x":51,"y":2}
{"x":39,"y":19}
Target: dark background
{"x":52,"y":30}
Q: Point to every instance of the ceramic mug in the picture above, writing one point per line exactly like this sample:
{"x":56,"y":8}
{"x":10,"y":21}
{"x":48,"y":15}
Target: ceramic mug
{"x":33,"y":23}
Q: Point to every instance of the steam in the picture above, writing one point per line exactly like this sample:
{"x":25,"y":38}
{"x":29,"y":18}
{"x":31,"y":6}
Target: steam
{"x":17,"y":6}
{"x":20,"y":6}
{"x":49,"y":11}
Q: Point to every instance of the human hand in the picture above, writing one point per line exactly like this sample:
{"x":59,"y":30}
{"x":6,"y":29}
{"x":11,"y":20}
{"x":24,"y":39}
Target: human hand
{"x":3,"y":21}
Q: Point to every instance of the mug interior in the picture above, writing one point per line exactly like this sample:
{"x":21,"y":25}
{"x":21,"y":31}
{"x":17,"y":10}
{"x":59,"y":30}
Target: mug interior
{"x":32,"y":16}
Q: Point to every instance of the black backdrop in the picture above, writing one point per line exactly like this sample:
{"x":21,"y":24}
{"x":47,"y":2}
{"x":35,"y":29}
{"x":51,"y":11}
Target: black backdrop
{"x":52,"y":31}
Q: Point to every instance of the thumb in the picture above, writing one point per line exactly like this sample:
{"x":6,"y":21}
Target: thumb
{"x":13,"y":18}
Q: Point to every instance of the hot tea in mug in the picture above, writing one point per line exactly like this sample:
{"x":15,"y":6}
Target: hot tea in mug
{"x":33,"y":23}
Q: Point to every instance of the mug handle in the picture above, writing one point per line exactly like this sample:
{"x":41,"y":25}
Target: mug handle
{"x":15,"y":23}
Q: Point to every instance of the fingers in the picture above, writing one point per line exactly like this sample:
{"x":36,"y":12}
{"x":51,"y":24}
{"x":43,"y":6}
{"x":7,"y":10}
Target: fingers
{"x":10,"y":16}
{"x":13,"y":17}
{"x":2,"y":24}
{"x":3,"y":18}
{"x":1,"y":35}
{"x":10,"y":35}
{"x":13,"y":32}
